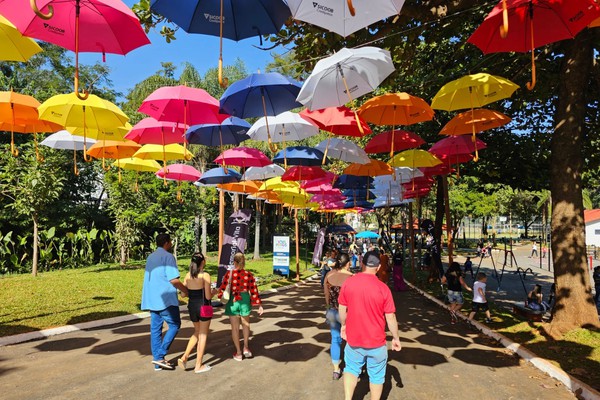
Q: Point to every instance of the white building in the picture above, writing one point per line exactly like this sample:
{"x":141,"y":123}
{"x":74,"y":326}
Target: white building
{"x":592,"y":227}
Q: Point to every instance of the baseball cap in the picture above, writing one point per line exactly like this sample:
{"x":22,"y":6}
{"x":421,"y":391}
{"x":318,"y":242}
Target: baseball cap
{"x":371,"y":259}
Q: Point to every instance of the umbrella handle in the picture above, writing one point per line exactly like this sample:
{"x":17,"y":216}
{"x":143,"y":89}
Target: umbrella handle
{"x":350,"y":7}
{"x":13,"y":149}
{"x":104,"y":166}
{"x":40,"y":14}
{"x":531,"y":85}
{"x":223,"y":81}
{"x":504,"y":26}
{"x":38,"y":156}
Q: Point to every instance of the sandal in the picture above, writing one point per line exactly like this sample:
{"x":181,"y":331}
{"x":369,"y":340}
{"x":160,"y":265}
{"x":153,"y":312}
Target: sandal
{"x":337,"y":375}
{"x":205,"y":369}
{"x":182,"y":363}
{"x":247,"y":353}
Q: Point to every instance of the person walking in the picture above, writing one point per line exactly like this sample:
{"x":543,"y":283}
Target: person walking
{"x":479,"y":300}
{"x":455,"y":281}
{"x":365,"y":305}
{"x":244,"y":294}
{"x":384,"y":271}
{"x":534,"y":252}
{"x":340,"y":271}
{"x":596,"y":277}
{"x":397,"y":272}
{"x":159,"y":296}
{"x":199,"y":293}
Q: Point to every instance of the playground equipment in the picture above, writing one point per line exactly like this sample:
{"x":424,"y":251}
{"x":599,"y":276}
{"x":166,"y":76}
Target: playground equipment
{"x":509,"y":257}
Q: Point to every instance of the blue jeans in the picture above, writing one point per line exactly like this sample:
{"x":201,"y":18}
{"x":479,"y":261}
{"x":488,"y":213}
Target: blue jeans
{"x":335,"y":326}
{"x":159,"y":344}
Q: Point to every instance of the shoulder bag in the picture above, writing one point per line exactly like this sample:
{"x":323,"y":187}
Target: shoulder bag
{"x":206,"y":311}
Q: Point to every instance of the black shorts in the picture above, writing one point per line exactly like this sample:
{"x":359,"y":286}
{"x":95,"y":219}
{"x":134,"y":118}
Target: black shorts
{"x":194,"y":310}
{"x":480,"y":307}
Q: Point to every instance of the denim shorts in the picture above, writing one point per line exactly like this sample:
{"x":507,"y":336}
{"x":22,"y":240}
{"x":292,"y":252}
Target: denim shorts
{"x":455,"y":297}
{"x":376,"y":359}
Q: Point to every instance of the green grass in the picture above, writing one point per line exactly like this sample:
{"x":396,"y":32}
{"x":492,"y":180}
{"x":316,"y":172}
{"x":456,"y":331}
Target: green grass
{"x":72,"y":296}
{"x":577,"y":353}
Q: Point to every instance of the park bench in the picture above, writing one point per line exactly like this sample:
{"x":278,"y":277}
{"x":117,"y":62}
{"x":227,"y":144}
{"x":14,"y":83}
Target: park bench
{"x":528,"y":313}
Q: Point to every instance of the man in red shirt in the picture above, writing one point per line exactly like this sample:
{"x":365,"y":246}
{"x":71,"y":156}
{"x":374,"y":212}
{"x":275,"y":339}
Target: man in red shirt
{"x":365,"y":304}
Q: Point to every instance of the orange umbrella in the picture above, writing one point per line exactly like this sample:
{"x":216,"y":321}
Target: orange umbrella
{"x":245,"y":187}
{"x":113,"y":149}
{"x":372,"y":168}
{"x":14,"y":107}
{"x":30,"y":126}
{"x":478,"y":120}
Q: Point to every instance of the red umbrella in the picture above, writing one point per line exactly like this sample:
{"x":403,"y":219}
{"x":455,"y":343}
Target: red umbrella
{"x":456,"y":145}
{"x":403,"y":140}
{"x":151,"y":131}
{"x":418,"y":193}
{"x":533,"y":23}
{"x":243,"y":157}
{"x":303,"y":173}
{"x":442,"y":169}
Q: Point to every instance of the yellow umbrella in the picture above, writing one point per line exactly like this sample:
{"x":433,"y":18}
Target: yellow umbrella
{"x":13,"y":45}
{"x":136,"y":164}
{"x":277,"y":183}
{"x":165,"y":153}
{"x":92,"y":113}
{"x":117,"y":133}
{"x":414,"y":158}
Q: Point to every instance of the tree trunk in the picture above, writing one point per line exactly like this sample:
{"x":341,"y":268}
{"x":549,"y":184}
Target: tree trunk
{"x":257,"y":236}
{"x":204,"y":224}
{"x":34,"y":264}
{"x":123,"y":260}
{"x":197,"y":234}
{"x":574,"y":304}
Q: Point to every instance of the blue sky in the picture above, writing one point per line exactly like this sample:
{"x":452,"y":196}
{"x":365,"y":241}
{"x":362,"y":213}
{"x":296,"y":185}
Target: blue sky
{"x":202,"y":51}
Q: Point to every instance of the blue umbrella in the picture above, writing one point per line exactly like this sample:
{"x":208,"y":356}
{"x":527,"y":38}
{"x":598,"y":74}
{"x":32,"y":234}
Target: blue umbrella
{"x":358,"y":193}
{"x":300,"y":155}
{"x":358,"y":203}
{"x":367,"y":235}
{"x":353,"y":182}
{"x":219,"y":175}
{"x":339,"y":228}
{"x":231,"y":131}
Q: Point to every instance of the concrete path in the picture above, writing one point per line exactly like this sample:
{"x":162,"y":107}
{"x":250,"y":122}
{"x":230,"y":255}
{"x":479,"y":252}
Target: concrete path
{"x":290,"y":343}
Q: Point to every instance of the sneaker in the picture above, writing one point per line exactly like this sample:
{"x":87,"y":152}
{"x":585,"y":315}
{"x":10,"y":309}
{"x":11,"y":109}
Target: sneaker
{"x":247,"y":353}
{"x":237,"y":357}
{"x":164,"y":364}
{"x":157,"y":368}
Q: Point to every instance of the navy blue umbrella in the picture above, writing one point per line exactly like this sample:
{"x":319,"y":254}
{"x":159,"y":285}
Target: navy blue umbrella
{"x":358,"y":193}
{"x":339,"y":228}
{"x":358,"y":203}
{"x":353,"y":182}
{"x":219,"y":175}
{"x":300,"y":155}
{"x":231,"y":131}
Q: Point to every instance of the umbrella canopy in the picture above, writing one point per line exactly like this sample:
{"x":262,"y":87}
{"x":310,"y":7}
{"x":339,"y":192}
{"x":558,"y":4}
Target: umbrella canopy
{"x":339,"y":228}
{"x":13,"y":45}
{"x":303,"y":173}
{"x":338,"y":120}
{"x":283,"y":127}
{"x":158,"y":152}
{"x":152,"y":131}
{"x":344,"y":76}
{"x":243,"y":157}
{"x":344,"y":150}
{"x":396,"y":109}
{"x":330,"y":196}
{"x":358,"y":193}
{"x":277,"y":183}
{"x":182,"y":104}
{"x":300,"y":155}
{"x":137,"y":164}
{"x":117,"y":133}
{"x":472,"y":91}
{"x":390,"y":141}
{"x":243,"y":187}
{"x":367,"y":235}
{"x":372,"y":168}
{"x":179,"y":172}
{"x":358,"y":204}
{"x":477,"y":120}
{"x":64,"y":140}
{"x":456,"y":145}
{"x":219,"y":175}
{"x":261,"y":173}
{"x":232,"y":130}
{"x":338,"y":15}
{"x":414,"y":159}
{"x":532,"y":24}
{"x":16,"y":107}
{"x":112,"y":149}
{"x":353,"y":182}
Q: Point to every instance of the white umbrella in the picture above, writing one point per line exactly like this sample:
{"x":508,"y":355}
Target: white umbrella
{"x":261,"y":173}
{"x":282,"y":128}
{"x":401,"y":175}
{"x":64,"y":140}
{"x":338,"y":17}
{"x":344,"y":150}
{"x":344,"y":76}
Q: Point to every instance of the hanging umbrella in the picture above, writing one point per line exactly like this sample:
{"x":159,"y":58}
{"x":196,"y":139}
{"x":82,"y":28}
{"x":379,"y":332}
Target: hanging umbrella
{"x":99,"y":26}
{"x":243,"y":157}
{"x":232,"y":130}
{"x":344,"y":76}
{"x":261,"y":95}
{"x":117,"y":133}
{"x":15,"y":107}
{"x":284,"y":127}
{"x":339,"y":16}
{"x":393,"y":141}
{"x":401,"y":174}
{"x":532,"y":24}
{"x":372,"y":168}
{"x":219,"y":175}
{"x":13,"y":45}
{"x":277,"y":183}
{"x":353,"y":182}
{"x":30,"y":127}
{"x":303,"y":173}
{"x":456,"y":145}
{"x":358,"y":205}
{"x":179,"y":173}
{"x":242,"y":187}
{"x":358,"y":193}
{"x":344,"y":150}
{"x":229,"y":19}
{"x":414,"y":159}
{"x":151,"y":131}
{"x":331,"y":196}
{"x":64,"y":140}
{"x":113,"y":149}
{"x":158,"y":152}
{"x":300,"y":155}
{"x":261,"y":173}
{"x":367,"y":235}
{"x":91,"y":113}
{"x":136,"y":164}
{"x":479,"y":120}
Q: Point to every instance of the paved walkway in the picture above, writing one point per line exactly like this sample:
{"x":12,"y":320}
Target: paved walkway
{"x":290,"y":343}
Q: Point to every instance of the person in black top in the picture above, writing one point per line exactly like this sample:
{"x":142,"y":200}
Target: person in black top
{"x":453,"y":277}
{"x":596,"y":277}
{"x":397,"y":261}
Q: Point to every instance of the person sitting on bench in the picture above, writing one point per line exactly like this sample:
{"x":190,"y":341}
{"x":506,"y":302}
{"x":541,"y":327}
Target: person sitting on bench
{"x":535,"y":301}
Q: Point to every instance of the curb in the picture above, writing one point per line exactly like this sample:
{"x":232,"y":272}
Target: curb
{"x":45,"y":333}
{"x":577,"y":387}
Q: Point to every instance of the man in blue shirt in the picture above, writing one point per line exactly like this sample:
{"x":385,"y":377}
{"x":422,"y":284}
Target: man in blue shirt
{"x":159,"y":296}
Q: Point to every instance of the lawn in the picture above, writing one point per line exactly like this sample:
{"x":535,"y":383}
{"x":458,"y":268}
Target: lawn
{"x":71,"y":296}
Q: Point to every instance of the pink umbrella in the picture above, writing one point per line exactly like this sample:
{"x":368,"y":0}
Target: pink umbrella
{"x":182,"y":104}
{"x":327,"y":197}
{"x":324,"y":183}
{"x":179,"y":173}
{"x":456,"y":145}
{"x":303,"y":173}
{"x":243,"y":157}
{"x":332,"y":205}
{"x":107,"y":26}
{"x":151,"y":131}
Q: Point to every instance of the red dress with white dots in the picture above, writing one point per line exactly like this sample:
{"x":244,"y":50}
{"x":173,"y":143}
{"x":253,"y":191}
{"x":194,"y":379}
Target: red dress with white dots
{"x":241,"y":281}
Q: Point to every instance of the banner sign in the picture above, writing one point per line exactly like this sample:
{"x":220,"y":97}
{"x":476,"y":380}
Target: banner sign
{"x":234,"y":239}
{"x":281,"y":255}
{"x":316,"y":259}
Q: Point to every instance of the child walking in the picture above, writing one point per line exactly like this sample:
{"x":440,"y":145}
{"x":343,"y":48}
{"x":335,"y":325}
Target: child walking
{"x":479,"y":300}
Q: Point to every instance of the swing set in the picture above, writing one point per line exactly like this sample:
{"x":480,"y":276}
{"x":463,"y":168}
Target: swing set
{"x":510,"y":260}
